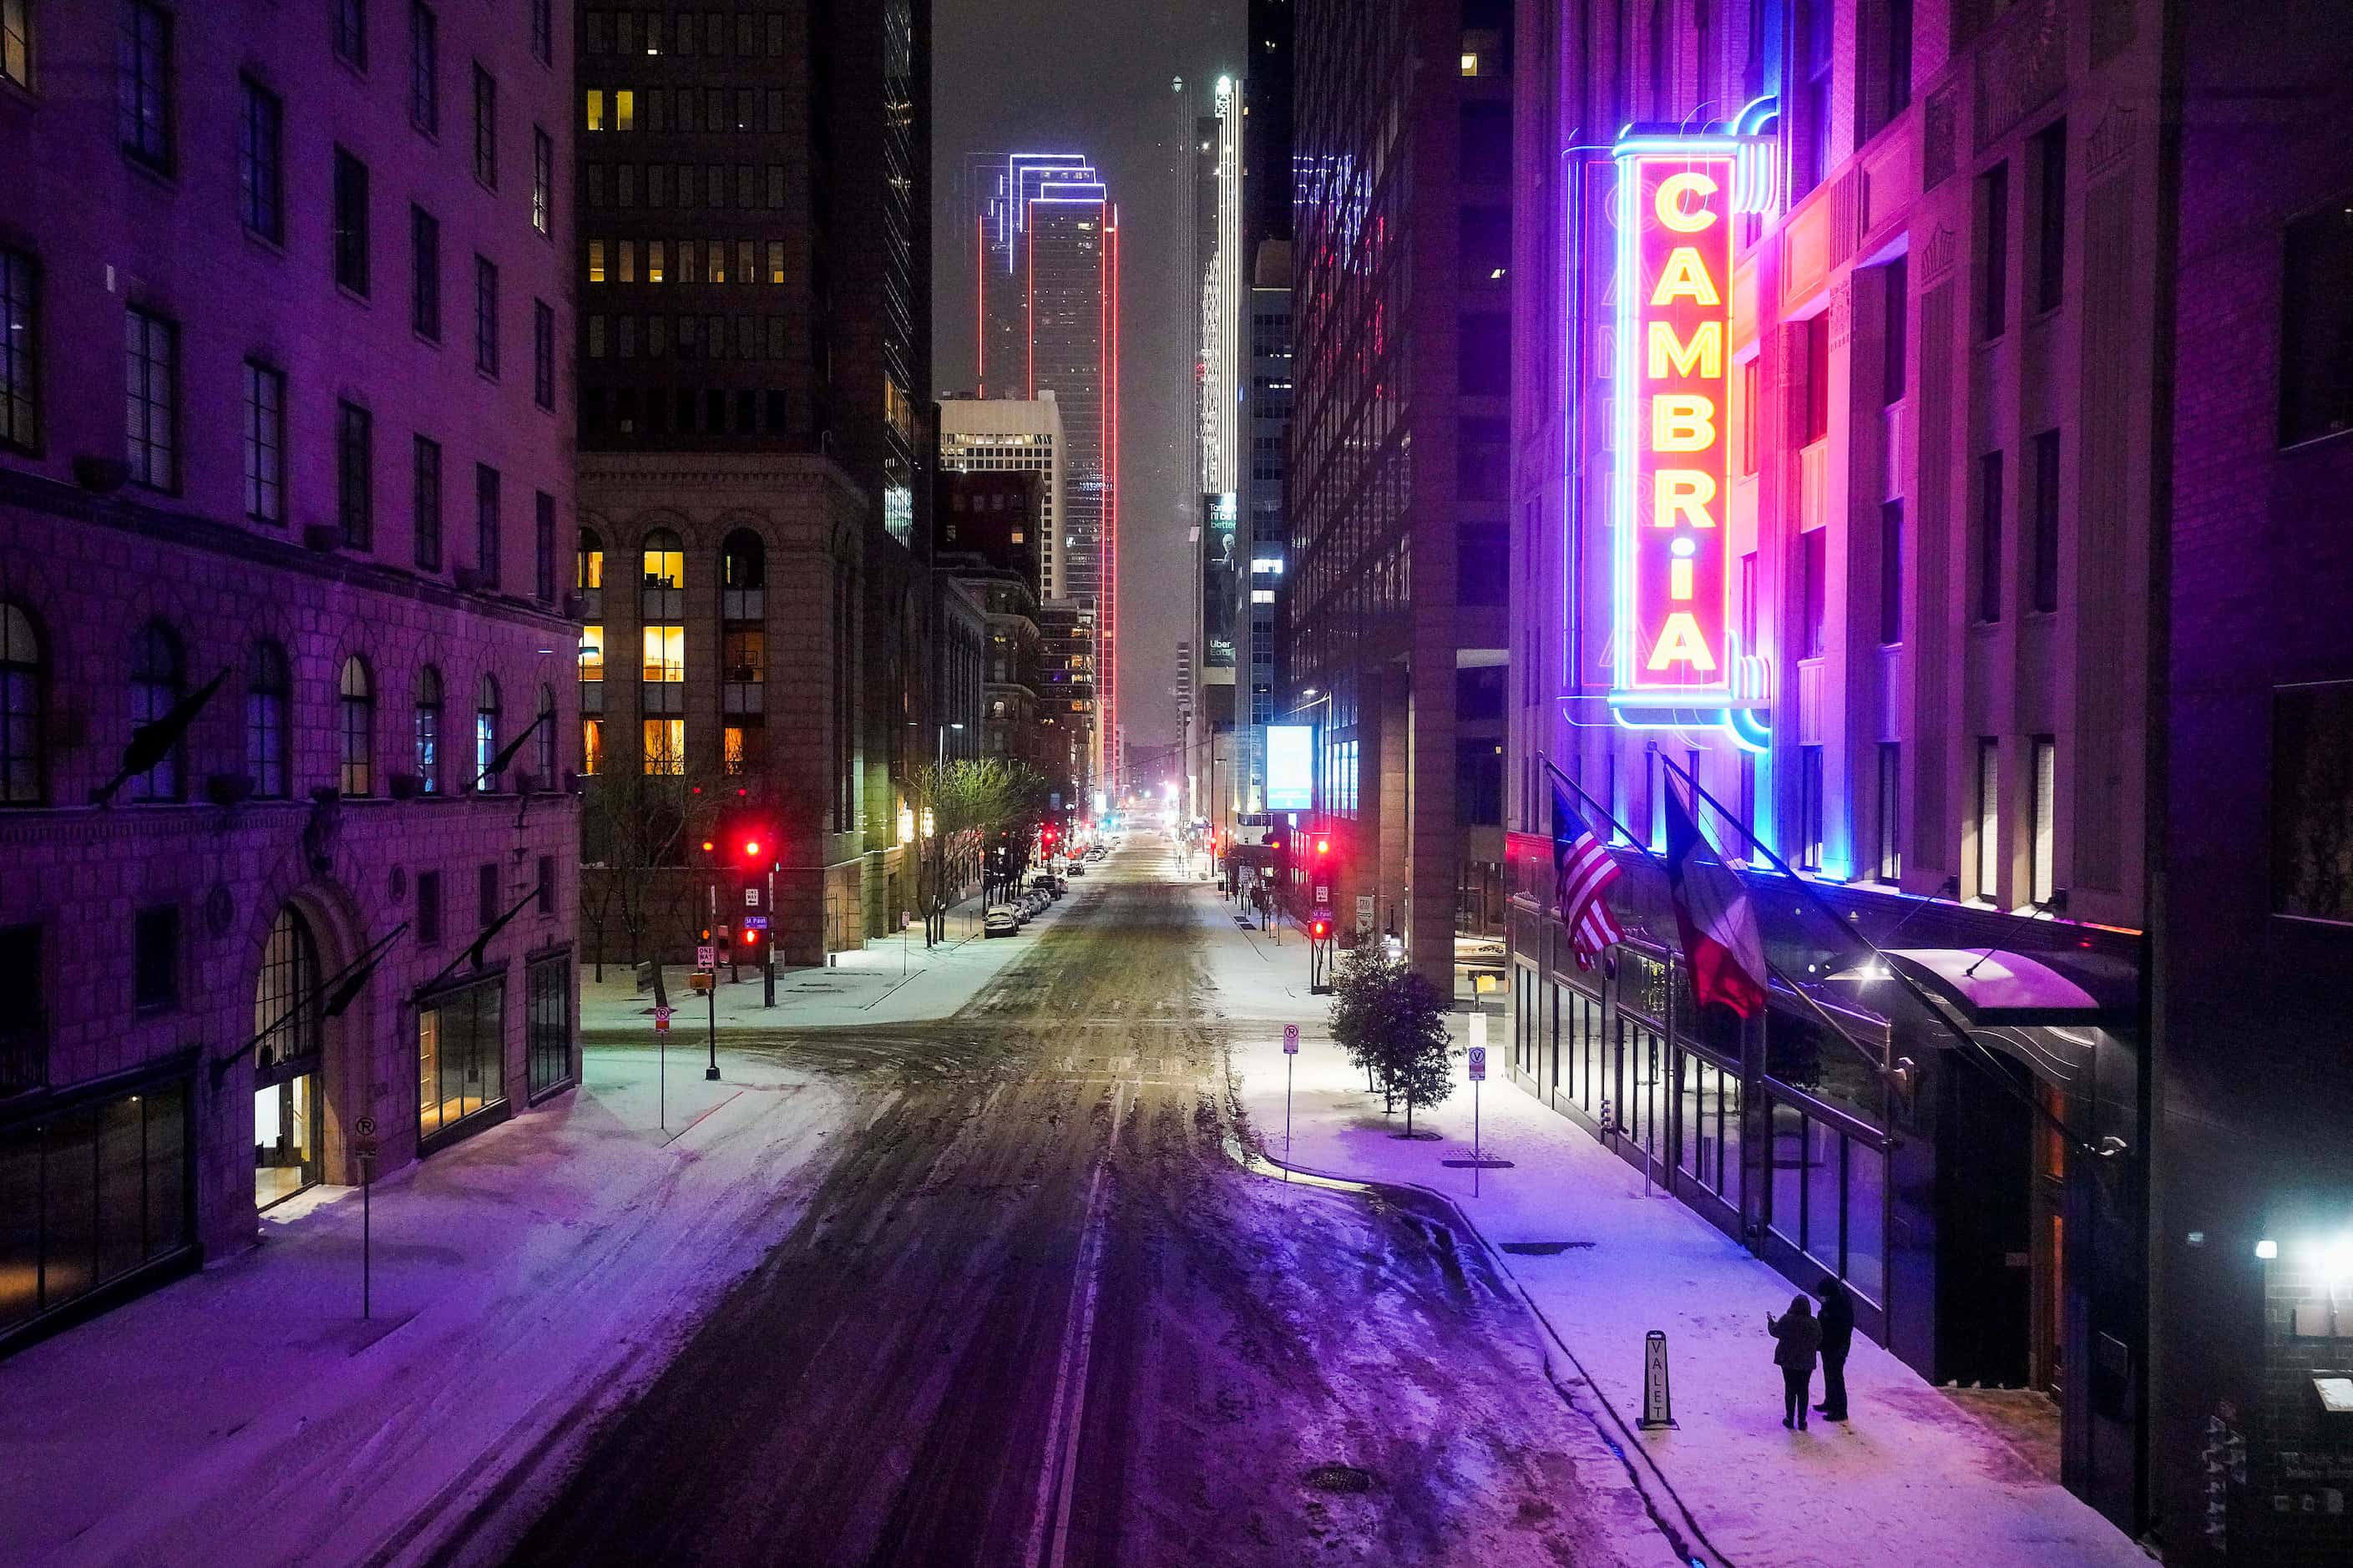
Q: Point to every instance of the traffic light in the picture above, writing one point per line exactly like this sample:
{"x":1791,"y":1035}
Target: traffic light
{"x":1322,"y":849}
{"x":708,"y":847}
{"x":751,"y":850}
{"x":1319,"y":929}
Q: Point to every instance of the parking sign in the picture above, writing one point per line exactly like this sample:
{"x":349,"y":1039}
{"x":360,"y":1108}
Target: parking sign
{"x":1478,"y":1063}
{"x":1291,"y":1039}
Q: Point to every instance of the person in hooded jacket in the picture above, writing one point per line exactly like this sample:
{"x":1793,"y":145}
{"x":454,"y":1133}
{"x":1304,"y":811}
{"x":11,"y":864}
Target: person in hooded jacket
{"x":1796,"y":1336}
{"x":1837,"y":1320}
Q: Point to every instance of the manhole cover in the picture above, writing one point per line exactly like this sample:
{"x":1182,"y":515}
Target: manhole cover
{"x":1340,"y":1478}
{"x":1542,"y":1248}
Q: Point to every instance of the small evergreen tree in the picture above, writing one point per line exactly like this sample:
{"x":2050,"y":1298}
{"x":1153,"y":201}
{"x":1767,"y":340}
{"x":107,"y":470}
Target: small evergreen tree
{"x":1418,"y":1045}
{"x":1359,"y":996}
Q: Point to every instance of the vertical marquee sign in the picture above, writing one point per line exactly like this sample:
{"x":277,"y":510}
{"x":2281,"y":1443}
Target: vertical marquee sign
{"x":1675,"y":650}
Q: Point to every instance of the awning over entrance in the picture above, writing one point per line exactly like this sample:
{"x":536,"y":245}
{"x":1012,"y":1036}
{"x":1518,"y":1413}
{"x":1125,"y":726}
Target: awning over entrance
{"x":1994,"y":986}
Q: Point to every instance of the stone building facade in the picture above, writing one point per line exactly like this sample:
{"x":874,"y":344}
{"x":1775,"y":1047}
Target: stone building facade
{"x":1937,"y":417}
{"x":722,"y":608}
{"x":284,"y":486}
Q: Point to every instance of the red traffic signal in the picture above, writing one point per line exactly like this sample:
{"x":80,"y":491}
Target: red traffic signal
{"x":1319,"y":929}
{"x":1322,"y":847}
{"x":751,"y":937}
{"x":751,"y":850}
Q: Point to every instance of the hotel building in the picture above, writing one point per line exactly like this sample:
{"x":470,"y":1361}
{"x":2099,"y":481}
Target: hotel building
{"x":1834,"y":465}
{"x":286,"y":726}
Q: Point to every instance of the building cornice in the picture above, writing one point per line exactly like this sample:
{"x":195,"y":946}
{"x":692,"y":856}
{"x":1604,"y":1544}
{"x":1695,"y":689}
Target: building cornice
{"x":192,"y":531}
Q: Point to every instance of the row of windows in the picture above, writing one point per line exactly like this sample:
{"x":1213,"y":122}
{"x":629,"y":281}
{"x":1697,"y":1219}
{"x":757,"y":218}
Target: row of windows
{"x":687,"y":261}
{"x":687,"y":33}
{"x":689,"y":337}
{"x":152,"y":447}
{"x":146,"y":106}
{"x":686,"y":410}
{"x":349,"y":34}
{"x":159,"y":683}
{"x":711,"y":109}
{"x":685,"y":186}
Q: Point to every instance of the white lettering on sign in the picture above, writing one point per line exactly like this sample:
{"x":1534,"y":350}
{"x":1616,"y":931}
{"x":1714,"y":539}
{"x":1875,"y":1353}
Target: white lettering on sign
{"x":1656,"y":1410}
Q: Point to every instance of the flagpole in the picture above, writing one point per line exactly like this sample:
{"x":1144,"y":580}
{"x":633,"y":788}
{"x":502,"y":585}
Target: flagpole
{"x":1878,"y":1063}
{"x":1822,"y":906}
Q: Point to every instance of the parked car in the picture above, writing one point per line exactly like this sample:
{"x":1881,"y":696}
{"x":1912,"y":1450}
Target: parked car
{"x":1078,"y":869}
{"x":1002,"y":920}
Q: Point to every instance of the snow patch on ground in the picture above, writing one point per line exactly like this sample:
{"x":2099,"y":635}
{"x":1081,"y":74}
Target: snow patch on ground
{"x":1913,"y":1466}
{"x":890,"y":980}
{"x":522,"y":1281}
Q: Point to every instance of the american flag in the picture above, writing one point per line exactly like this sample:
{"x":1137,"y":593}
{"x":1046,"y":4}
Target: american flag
{"x":1582,"y":872}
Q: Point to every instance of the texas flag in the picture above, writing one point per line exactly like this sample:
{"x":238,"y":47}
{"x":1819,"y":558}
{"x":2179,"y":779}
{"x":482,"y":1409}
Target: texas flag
{"x":1717,"y":922}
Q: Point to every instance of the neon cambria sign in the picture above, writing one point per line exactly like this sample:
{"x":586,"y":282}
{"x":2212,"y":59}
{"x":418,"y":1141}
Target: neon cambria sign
{"x":1673,"y":477}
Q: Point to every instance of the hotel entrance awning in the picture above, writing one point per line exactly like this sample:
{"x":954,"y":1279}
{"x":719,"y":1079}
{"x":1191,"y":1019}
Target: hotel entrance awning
{"x":1994,"y":987}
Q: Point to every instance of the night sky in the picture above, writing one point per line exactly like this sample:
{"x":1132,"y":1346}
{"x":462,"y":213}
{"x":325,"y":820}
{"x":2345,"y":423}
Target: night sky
{"x":1081,"y":76}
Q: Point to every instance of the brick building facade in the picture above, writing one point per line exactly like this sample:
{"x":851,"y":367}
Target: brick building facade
{"x":286,"y":431}
{"x":2252,"y":1242}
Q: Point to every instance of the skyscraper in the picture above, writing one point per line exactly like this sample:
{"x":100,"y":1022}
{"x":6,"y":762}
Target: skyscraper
{"x":1052,"y":292}
{"x":1394,"y":607}
{"x":754,"y":236}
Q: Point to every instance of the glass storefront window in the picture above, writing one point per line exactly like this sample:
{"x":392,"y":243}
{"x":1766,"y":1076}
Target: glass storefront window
{"x":1866,"y":1194}
{"x":549,"y":1043}
{"x":461,"y":1056}
{"x":1825,"y":1184}
{"x":89,"y":1194}
{"x":1788,"y":1206}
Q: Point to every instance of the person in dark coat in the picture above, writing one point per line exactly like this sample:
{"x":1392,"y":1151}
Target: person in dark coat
{"x":1837,"y":1320}
{"x":1796,"y":1336}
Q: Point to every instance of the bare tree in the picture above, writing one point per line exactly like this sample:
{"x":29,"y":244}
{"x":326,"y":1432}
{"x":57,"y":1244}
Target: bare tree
{"x":637,"y":828}
{"x":959,"y":806}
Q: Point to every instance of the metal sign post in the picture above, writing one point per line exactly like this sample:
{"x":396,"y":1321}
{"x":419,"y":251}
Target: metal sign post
{"x":1478,"y":1062}
{"x":661,"y":1067}
{"x":363,"y":1145}
{"x":1290,"y":1058}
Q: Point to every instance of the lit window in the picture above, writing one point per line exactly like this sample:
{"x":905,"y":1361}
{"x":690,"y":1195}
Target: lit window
{"x":665,"y":744}
{"x":1470,"y":63}
{"x":356,"y":713}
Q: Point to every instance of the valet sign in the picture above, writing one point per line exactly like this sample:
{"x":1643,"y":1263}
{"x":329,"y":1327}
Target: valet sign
{"x":1674,"y":208}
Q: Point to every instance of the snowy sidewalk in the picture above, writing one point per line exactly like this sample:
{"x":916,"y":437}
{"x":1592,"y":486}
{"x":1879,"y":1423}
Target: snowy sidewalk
{"x":1912,"y":1479}
{"x":890,"y":980}
{"x":524,"y":1281}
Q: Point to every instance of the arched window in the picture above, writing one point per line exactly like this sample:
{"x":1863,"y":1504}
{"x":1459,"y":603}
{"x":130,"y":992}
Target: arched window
{"x":285,"y":1011}
{"x":665,"y":560}
{"x":268,"y":693}
{"x":355,"y":728}
{"x":743,"y":561}
{"x":428,"y":730}
{"x":486,"y":734}
{"x":588,"y":565}
{"x":21,"y":695}
{"x":156,"y":681}
{"x":544,"y":738}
